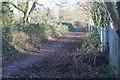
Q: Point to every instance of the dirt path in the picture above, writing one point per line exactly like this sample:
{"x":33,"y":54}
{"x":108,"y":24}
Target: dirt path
{"x":66,"y":43}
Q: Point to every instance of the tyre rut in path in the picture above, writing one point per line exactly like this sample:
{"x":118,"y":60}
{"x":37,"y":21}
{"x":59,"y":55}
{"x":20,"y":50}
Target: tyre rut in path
{"x":42,"y":53}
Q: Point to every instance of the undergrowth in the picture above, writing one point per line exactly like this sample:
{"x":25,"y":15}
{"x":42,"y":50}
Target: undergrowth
{"x":94,"y":57}
{"x":18,"y":38}
{"x":90,"y":43}
{"x":23,"y":37}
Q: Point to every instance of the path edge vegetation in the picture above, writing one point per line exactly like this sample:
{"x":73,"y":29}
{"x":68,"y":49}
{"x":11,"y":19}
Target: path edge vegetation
{"x":101,"y":15}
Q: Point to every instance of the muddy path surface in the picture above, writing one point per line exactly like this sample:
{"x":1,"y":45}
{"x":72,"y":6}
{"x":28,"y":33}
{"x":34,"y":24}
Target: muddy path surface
{"x":67,"y":43}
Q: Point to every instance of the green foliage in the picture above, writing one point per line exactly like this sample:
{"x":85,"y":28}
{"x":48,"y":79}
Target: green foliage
{"x":118,"y":7}
{"x":34,"y":28}
{"x":23,"y":37}
{"x":70,"y":26}
{"x":100,"y":15}
{"x":7,"y":48}
{"x":7,"y":14}
{"x":7,"y":37}
{"x":6,"y":33}
{"x":90,"y":43}
{"x":22,"y":5}
{"x":58,"y":29}
{"x":33,"y":34}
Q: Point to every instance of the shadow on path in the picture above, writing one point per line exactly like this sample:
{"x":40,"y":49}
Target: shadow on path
{"x":66,"y":43}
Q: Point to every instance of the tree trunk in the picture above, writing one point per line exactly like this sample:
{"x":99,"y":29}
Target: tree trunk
{"x":26,"y":12}
{"x":114,"y":15}
{"x":25,"y":18}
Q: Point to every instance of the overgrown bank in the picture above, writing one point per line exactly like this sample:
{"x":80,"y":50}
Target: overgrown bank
{"x":18,"y":38}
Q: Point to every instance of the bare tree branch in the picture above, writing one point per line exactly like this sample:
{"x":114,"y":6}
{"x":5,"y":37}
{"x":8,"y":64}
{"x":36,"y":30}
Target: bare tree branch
{"x":16,"y":6}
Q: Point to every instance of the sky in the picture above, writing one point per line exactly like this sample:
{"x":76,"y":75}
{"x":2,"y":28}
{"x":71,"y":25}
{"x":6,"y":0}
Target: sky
{"x":52,"y":3}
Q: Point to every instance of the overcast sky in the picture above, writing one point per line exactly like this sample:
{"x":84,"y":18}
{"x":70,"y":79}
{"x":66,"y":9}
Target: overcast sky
{"x":52,"y":3}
